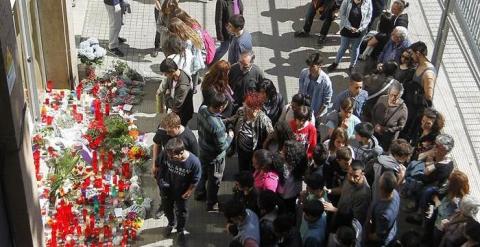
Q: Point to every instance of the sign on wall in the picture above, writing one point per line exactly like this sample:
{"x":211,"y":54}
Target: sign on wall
{"x":10,"y":70}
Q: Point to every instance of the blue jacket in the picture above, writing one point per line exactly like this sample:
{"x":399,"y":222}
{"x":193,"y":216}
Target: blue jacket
{"x":320,"y":91}
{"x":314,"y":234}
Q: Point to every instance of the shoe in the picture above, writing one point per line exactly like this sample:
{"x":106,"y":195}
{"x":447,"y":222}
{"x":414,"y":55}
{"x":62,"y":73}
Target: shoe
{"x":159,"y":213}
{"x":332,"y":67}
{"x":200,"y":197}
{"x":116,"y":52}
{"x":213,"y":208}
{"x":168,"y":231}
{"x":154,"y":52}
{"x":122,"y":40}
{"x":415,"y":219}
{"x":180,"y":236}
{"x":301,"y":34}
{"x":321,"y":39}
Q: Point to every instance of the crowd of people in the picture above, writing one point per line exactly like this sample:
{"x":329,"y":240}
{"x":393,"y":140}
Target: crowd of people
{"x":325,"y":169}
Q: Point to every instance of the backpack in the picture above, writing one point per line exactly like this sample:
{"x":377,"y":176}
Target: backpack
{"x":209,"y":45}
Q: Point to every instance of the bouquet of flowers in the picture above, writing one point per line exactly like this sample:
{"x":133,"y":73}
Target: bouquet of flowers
{"x":138,"y":154}
{"x":90,"y":52}
{"x":95,"y":134}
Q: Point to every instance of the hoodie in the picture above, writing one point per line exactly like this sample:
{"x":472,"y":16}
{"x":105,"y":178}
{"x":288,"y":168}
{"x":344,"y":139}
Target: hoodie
{"x":384,"y":163}
{"x":367,"y":152}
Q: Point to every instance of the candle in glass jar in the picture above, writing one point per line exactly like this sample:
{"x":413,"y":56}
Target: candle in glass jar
{"x":107,"y":109}
{"x":95,"y":162}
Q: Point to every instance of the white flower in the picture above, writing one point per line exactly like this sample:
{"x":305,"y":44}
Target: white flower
{"x":93,"y":41}
{"x":84,"y":44}
{"x":90,"y":56}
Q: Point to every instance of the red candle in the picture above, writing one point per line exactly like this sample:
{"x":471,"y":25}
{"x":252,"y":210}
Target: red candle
{"x":78,"y":90}
{"x":84,"y":214}
{"x":126,"y":170}
{"x":92,"y":222}
{"x":102,"y":197}
{"x":110,"y":160}
{"x":121,"y":186}
{"x":98,"y":183}
{"x":102,"y":211}
{"x":106,"y":188}
{"x":115,"y":179}
{"x":107,"y":109}
{"x":74,"y":108}
{"x":95,"y":162}
{"x":49,"y":86}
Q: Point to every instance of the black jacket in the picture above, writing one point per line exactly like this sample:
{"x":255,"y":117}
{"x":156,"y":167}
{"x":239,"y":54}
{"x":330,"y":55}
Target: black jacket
{"x":223,"y":12}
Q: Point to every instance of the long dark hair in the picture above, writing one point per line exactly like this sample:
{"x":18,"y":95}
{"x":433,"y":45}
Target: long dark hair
{"x":270,"y":162}
{"x":296,"y":157}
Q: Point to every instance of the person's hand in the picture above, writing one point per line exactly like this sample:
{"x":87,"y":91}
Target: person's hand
{"x":320,"y":10}
{"x":230,"y":133}
{"x":344,"y":124}
{"x":380,"y":67}
{"x":379,"y":129}
{"x":354,"y":30}
{"x":154,"y":170}
{"x":328,"y":206}
{"x":187,"y":194}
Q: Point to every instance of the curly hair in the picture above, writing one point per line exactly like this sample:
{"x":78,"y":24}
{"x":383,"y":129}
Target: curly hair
{"x":254,"y":100}
{"x":296,"y":157}
{"x":458,"y":185}
{"x":283,"y":132}
{"x":171,"y":120}
{"x":217,"y":76}
{"x":177,"y":27}
{"x":439,"y":119}
{"x":269,"y":161}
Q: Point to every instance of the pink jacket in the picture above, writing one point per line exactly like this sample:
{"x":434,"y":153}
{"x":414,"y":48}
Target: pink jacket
{"x":266,"y":180}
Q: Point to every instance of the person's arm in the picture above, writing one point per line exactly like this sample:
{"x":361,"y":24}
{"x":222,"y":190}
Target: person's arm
{"x":250,"y":243}
{"x":219,"y":20}
{"x":312,"y":142}
{"x":365,"y":22}
{"x":428,"y":85}
{"x":193,"y":144}
{"x":222,"y":140}
{"x":360,"y":208}
{"x":155,"y":151}
{"x":344,"y":22}
{"x":327,"y":96}
{"x":197,"y":173}
{"x":401,"y":121}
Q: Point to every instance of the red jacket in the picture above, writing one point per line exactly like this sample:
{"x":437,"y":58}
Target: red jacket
{"x":306,"y":135}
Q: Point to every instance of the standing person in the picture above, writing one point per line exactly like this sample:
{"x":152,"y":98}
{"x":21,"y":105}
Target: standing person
{"x":305,"y":132}
{"x":314,"y":224}
{"x":355,"y":92}
{"x":431,"y":125}
{"x":343,"y":118}
{"x":406,"y":68}
{"x":176,"y":49}
{"x":393,"y":49}
{"x":178,"y":173}
{"x":115,"y":17}
{"x":216,"y":81}
{"x":214,"y":142}
{"x":178,"y":93}
{"x":243,"y":224}
{"x":298,"y":100}
{"x":389,"y":115}
{"x":295,"y":166}
{"x":158,"y":7}
{"x":328,"y":16}
{"x":316,"y":6}
{"x":365,"y":146}
{"x":223,"y":11}
{"x":287,"y":233}
{"x":355,"y":16}
{"x":273,"y":105}
{"x":241,"y":39}
{"x":269,"y":171}
{"x":251,"y":128}
{"x":244,"y":76}
{"x":385,"y":213}
{"x":163,"y":12}
{"x":316,"y":83}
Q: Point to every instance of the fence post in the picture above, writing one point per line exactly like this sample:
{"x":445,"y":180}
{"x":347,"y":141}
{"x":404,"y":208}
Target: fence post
{"x":442,"y":34}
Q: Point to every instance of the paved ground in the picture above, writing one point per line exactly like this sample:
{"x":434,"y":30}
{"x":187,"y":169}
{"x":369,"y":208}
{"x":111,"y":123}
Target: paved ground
{"x":271,"y":23}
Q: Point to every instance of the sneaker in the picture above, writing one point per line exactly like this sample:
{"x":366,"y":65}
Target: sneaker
{"x":154,"y":52}
{"x":122,"y":40}
{"x":200,"y":197}
{"x":168,"y":231}
{"x":321,"y":39}
{"x":116,"y":52}
{"x":301,"y":34}
{"x":213,"y":208}
{"x":332,"y":67}
{"x":181,"y":236}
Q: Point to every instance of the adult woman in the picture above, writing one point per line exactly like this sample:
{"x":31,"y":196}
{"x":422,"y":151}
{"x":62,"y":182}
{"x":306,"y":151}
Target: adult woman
{"x":406,"y":69}
{"x":344,"y":119}
{"x":419,"y":92}
{"x":430,"y":126}
{"x":194,"y":42}
{"x":389,"y":115}
{"x":388,"y":21}
{"x":282,"y":132}
{"x":377,"y":85}
{"x":338,"y":139}
{"x":268,"y":170}
{"x":251,"y":128}
{"x":305,"y":131}
{"x":355,"y":16}
{"x":295,"y":166}
{"x":216,"y":81}
{"x":445,"y":207}
{"x":298,"y":100}
{"x":273,"y":105}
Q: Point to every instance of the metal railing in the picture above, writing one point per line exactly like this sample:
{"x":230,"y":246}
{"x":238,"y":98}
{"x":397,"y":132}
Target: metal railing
{"x":470,"y":11}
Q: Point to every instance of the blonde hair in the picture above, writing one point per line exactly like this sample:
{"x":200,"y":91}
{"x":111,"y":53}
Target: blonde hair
{"x":179,"y":28}
{"x":186,"y":18}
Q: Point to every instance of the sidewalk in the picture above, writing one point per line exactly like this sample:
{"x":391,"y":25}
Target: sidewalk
{"x":272,"y":24}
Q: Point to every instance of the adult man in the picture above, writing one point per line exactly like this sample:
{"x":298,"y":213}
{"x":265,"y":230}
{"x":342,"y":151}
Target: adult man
{"x":115,"y":16}
{"x":336,"y":172}
{"x":355,"y":92}
{"x":385,"y":212}
{"x":178,"y":174}
{"x":244,"y":76}
{"x":223,"y":11}
{"x":214,"y":142}
{"x":171,"y":127}
{"x":395,"y":46}
{"x":312,"y":9}
{"x":178,"y":90}
{"x":242,"y":224}
{"x":355,"y":195}
{"x":241,"y":39}
{"x":316,"y":83}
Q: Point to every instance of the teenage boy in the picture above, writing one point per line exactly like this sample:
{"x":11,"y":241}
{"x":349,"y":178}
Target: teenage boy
{"x":242,"y":224}
{"x":178,"y":90}
{"x":214,"y":141}
{"x":225,"y":9}
{"x":178,"y":173}
{"x":355,"y":92}
{"x":365,"y":146}
{"x":314,"y":224}
{"x":241,"y":39}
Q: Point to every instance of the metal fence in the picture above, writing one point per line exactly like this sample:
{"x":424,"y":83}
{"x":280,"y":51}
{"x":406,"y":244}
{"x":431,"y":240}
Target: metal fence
{"x":470,"y":13}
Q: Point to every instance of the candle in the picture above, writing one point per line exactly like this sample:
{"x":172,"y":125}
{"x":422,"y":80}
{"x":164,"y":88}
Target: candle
{"x":106,"y":189}
{"x":110,"y":160}
{"x":95,"y":162}
{"x":102,"y":211}
{"x":49,"y":86}
{"x":98,"y":182}
{"x":107,"y":109}
{"x":92,"y":222}
{"x":115,"y":179}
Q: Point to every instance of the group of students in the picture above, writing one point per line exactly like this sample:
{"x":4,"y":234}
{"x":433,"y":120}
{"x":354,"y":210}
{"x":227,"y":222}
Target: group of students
{"x":364,"y":154}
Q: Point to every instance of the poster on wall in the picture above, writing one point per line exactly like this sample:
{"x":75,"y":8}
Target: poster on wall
{"x":10,"y":70}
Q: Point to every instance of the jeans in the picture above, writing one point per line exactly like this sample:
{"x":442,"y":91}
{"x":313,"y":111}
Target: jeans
{"x":329,"y":17}
{"x":157,"y":34}
{"x":171,"y":202}
{"x":353,"y":44}
{"x":244,"y":160}
{"x":221,"y":50}
{"x":114,"y":24}
{"x":309,"y":18}
{"x":212,"y":175}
